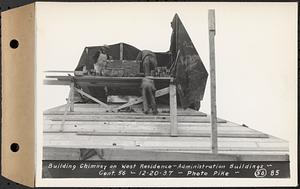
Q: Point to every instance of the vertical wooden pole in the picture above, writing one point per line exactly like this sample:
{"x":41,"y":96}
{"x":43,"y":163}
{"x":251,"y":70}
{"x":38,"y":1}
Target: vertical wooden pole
{"x":72,"y":97}
{"x":121,"y":51}
{"x":212,"y":33}
{"x":173,"y":108}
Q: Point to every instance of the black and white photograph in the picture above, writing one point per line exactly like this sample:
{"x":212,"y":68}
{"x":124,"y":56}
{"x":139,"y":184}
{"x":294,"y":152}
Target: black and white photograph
{"x":129,"y":94}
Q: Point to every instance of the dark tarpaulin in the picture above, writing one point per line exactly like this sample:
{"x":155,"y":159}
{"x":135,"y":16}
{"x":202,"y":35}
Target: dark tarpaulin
{"x":89,"y":55}
{"x":191,"y":75}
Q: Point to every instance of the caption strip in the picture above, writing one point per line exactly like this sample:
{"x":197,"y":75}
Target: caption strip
{"x":119,"y":169}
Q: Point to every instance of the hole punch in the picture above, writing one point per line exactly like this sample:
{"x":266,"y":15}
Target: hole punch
{"x":14,"y":147}
{"x":14,"y":43}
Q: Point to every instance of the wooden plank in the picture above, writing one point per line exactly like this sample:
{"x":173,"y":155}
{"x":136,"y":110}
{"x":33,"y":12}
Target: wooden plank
{"x":182,"y":148}
{"x":55,"y":82}
{"x":119,"y":154}
{"x":173,"y":109}
{"x":70,"y":136}
{"x":164,"y":134}
{"x":103,"y":78}
{"x":75,"y":126}
{"x":145,"y":125}
{"x":272,"y":145}
{"x":65,"y":112}
{"x":72,"y":97}
{"x":130,"y":103}
{"x":140,"y":142}
{"x":91,"y":97}
{"x":158,"y":93}
{"x":214,"y":131}
{"x":58,"y":71}
{"x":131,"y":118}
{"x":138,"y":155}
{"x":133,"y":146}
{"x":138,"y":129}
{"x":61,"y":154}
{"x":150,"y":128}
{"x":103,"y":112}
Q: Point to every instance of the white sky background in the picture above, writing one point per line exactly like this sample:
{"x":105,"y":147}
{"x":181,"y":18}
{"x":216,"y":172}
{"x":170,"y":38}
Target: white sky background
{"x":256,"y":51}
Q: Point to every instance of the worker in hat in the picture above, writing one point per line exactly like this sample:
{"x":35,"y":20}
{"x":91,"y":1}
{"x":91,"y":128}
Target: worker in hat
{"x":148,"y":95}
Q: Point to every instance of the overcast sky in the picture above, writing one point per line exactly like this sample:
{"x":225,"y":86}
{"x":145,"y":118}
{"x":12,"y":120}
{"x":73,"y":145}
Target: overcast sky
{"x":256,"y":51}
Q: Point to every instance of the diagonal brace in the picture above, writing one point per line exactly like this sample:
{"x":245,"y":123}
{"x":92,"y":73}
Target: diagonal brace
{"x":158,"y":93}
{"x":91,"y":97}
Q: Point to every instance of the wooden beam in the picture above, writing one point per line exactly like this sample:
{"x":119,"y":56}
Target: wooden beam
{"x":91,"y":97}
{"x":214,"y":131}
{"x":155,"y":143}
{"x":61,"y":153}
{"x":95,"y":111}
{"x":65,"y":112}
{"x":135,"y":118}
{"x":72,"y":97}
{"x":147,"y":125}
{"x":121,"y":51}
{"x":123,"y":155}
{"x":158,"y":93}
{"x":173,"y":109}
{"x":224,"y":135}
{"x":104,"y":78}
{"x":55,"y":82}
{"x":58,"y":71}
{"x":151,"y":127}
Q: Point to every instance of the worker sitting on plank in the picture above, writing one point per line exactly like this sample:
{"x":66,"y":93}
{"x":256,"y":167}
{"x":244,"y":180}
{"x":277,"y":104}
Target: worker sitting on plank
{"x":149,"y":61}
{"x":148,"y":95}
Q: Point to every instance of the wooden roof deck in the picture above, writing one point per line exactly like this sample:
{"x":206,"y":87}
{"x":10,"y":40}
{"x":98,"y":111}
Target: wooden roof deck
{"x":136,"y":136}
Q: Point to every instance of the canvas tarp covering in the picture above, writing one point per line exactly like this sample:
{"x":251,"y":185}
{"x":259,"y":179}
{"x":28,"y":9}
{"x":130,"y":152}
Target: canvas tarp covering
{"x":191,"y":75}
{"x":88,"y":57}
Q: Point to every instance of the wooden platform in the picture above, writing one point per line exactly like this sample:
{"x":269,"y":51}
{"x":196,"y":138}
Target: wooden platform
{"x":136,"y":136}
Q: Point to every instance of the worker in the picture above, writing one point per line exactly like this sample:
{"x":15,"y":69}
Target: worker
{"x":101,"y":61}
{"x":149,"y":61}
{"x":107,"y":51}
{"x":148,"y":95}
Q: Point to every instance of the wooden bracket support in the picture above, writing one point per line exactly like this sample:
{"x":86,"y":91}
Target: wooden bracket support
{"x":173,"y":109}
